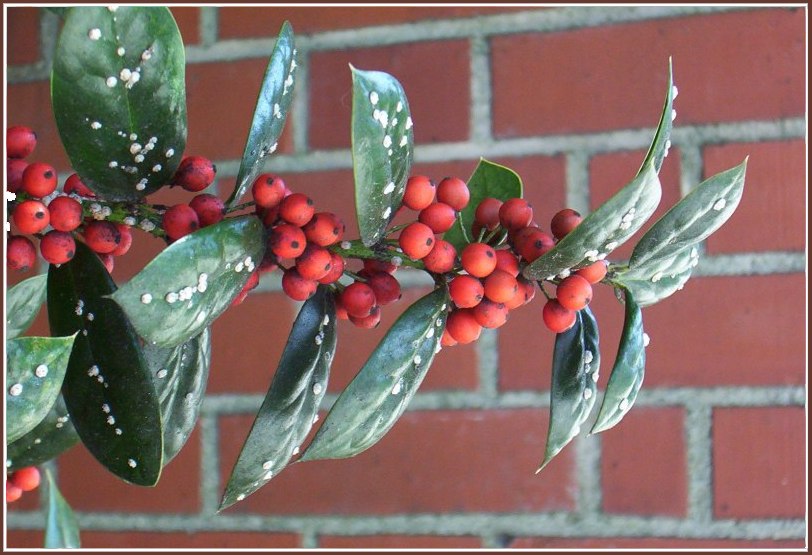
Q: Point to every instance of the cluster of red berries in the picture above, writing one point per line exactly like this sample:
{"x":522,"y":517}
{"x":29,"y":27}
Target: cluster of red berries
{"x":20,"y":481}
{"x":194,"y":174}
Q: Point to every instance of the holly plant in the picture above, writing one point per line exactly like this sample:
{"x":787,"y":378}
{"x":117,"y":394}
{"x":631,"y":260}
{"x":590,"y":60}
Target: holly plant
{"x":125,"y":369}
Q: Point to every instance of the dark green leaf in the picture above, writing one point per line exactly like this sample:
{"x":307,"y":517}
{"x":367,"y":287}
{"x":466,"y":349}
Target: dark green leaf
{"x":179,"y":375}
{"x":382,"y":149}
{"x":379,"y":393}
{"x":692,"y":219}
{"x":270,"y":112}
{"x":576,"y":360}
{"x":188,"y":285}
{"x":602,"y":231}
{"x":50,"y":438}
{"x":107,"y":388}
{"x":661,"y":142}
{"x":35,"y":368}
{"x":61,"y":12}
{"x":23,"y":303}
{"x":61,"y":525}
{"x":627,"y":373}
{"x":119,"y":97}
{"x":488,"y":180}
{"x":660,"y":278}
{"x":292,"y":402}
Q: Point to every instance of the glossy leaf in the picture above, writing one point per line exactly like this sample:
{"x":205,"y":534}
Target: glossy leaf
{"x":107,"y":388}
{"x":627,"y":373}
{"x":292,"y":402}
{"x":380,"y":392}
{"x":23,"y":303}
{"x":661,"y":142}
{"x":61,"y":525}
{"x":179,"y":375}
{"x":692,"y":219}
{"x":659,"y":279}
{"x":54,"y":435}
{"x":35,"y":368}
{"x":270,"y":112}
{"x":576,"y":362}
{"x":488,"y":180}
{"x":119,"y":97}
{"x":190,"y":283}
{"x":382,"y":150}
{"x":602,"y":231}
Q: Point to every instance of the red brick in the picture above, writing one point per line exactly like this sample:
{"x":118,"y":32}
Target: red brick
{"x":88,"y":486}
{"x":188,"y":20}
{"x":643,"y":467}
{"x":438,"y":93}
{"x":242,"y":22}
{"x":399,"y":542}
{"x":167,"y":540}
{"x":473,"y":461}
{"x":615,"y":74}
{"x":758,"y":462}
{"x":650,"y":543}
{"x":772,"y":212}
{"x":526,"y":349}
{"x":30,"y":104}
{"x":22,"y":25}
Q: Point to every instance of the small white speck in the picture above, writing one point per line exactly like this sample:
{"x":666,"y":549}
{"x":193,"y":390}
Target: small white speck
{"x":430,"y":333}
{"x":95,"y":125}
{"x":398,"y":387}
{"x":564,"y":273}
{"x":94,"y":34}
{"x":404,"y":140}
{"x":80,"y":306}
{"x":111,"y":420}
{"x":134,"y":78}
{"x":238,"y":267}
{"x":132,"y":463}
{"x":146,"y":298}
{"x":387,"y":141}
{"x":399,"y":107}
{"x":318,"y":339}
{"x":588,"y":356}
{"x":409,"y":122}
{"x":10,"y":196}
{"x":346,"y":245}
{"x":267,"y":465}
{"x":601,"y":256}
{"x":587,"y":394}
{"x":438,"y":348}
{"x":315,"y":419}
{"x":373,"y":98}
{"x":125,"y":74}
{"x":139,"y":158}
{"x":147,"y":225}
{"x":438,"y":322}
{"x":611,"y":246}
{"x":417,"y":359}
{"x":141,"y":185}
{"x":591,"y":255}
{"x":170,"y":152}
{"x":646,"y":339}
{"x":106,"y":408}
{"x":118,"y":431}
{"x":624,"y":404}
{"x":93,"y":371}
{"x":694,"y":253}
{"x":37,"y":441}
{"x":156,"y":168}
{"x":202,"y":286}
{"x":276,"y":111}
{"x":719,"y":204}
{"x":390,"y":152}
{"x":625,"y":225}
{"x":656,"y":277}
{"x":113,"y":164}
{"x":673,"y":115}
{"x":162,"y":373}
{"x":387,"y":212}
{"x":146,"y":55}
{"x":59,"y":424}
{"x":15,"y":389}
{"x":41,"y":371}
{"x":674,"y":91}
{"x":268,"y":475}
{"x":317,"y":388}
{"x":111,"y":82}
{"x":171,"y":297}
{"x":240,"y":497}
{"x":396,"y":260}
{"x":121,"y":51}
{"x":295,"y":451}
{"x":135,"y":148}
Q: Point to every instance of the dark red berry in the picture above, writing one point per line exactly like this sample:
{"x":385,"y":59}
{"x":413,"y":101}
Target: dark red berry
{"x":287,"y":241}
{"x":31,"y":216}
{"x":314,"y":263}
{"x":20,"y":141}
{"x":557,"y":318}
{"x":336,"y":269}
{"x":478,"y":259}
{"x":102,"y":236}
{"x":416,"y":240}
{"x":441,"y":258}
{"x":385,"y":286}
{"x":564,"y":221}
{"x":74,"y":184}
{"x":109,"y":261}
{"x":39,"y":179}
{"x":440,"y":217}
{"x":126,"y":240}
{"x":66,"y":213}
{"x":369,"y":321}
{"x":296,"y":287}
{"x":21,"y":254}
{"x":454,"y":192}
{"x":419,"y":193}
{"x":490,"y":314}
{"x":466,"y":291}
{"x":14,"y":174}
{"x":594,"y":272}
{"x":358,"y":299}
{"x":180,"y":220}
{"x":57,"y":247}
{"x":297,"y":209}
{"x":268,"y":190}
{"x":574,"y":292}
{"x":462,"y":326}
{"x":194,"y":173}
{"x":487,"y":213}
{"x":209,"y":209}
{"x":324,"y":229}
{"x":372,"y":265}
{"x":515,"y":213}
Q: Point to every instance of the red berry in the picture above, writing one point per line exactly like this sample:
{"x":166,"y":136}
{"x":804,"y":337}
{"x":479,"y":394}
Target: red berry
{"x":126,"y":240}
{"x":466,"y":291}
{"x":194,"y":173}
{"x":180,"y":220}
{"x":507,"y":262}
{"x":20,"y":141}
{"x":441,"y":258}
{"x":487,"y":213}
{"x":525,"y":294}
{"x":532,"y":242}
{"x":66,"y":213}
{"x":57,"y":247}
{"x":39,"y":179}
{"x":74,"y":184}
{"x":336,"y":269}
{"x":31,"y":216}
{"x":439,"y":216}
{"x":372,"y":265}
{"x":574,"y":292}
{"x":296,"y":287}
{"x":416,"y":240}
{"x":358,"y":299}
{"x":594,"y":272}
{"x":419,"y":192}
{"x":209,"y":209}
{"x":515,"y":213}
{"x":297,"y":209}
{"x":108,"y":260}
{"x":241,"y":296}
{"x":102,"y":236}
{"x":268,"y":190}
{"x":564,"y":221}
{"x":489,"y":314}
{"x":556,"y":317}
{"x":454,"y":192}
{"x":14,"y":174}
{"x":369,"y":321}
{"x":13,"y":493}
{"x":462,"y":326}
{"x":447,"y":340}
{"x":314,"y":263}
{"x":27,"y":479}
{"x":500,"y":286}
{"x":21,"y":254}
{"x":269,"y":216}
{"x":478,"y":259}
{"x":385,"y":286}
{"x":324,"y":229}
{"x":287,"y":241}
{"x":253,"y":281}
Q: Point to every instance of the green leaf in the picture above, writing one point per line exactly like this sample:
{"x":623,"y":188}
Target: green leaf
{"x":24,"y":301}
{"x":270,"y":112}
{"x":107,"y":388}
{"x":379,"y":393}
{"x":382,"y":150}
{"x":54,"y":435}
{"x":661,"y":142}
{"x":61,"y":525}
{"x":602,"y":231}
{"x":292,"y":402}
{"x":61,"y":12}
{"x":179,"y":376}
{"x":35,"y":368}
{"x":693,"y":218}
{"x":189,"y":284}
{"x":576,"y":360}
{"x":488,"y":180}
{"x":660,"y":278}
{"x":627,"y":373}
{"x":107,"y":129}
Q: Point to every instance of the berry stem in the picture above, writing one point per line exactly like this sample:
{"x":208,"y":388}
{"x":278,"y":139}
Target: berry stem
{"x":356,"y":249}
{"x":242,"y":206}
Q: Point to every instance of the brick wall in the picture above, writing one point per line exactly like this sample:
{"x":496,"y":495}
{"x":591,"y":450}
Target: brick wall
{"x":713,"y":454}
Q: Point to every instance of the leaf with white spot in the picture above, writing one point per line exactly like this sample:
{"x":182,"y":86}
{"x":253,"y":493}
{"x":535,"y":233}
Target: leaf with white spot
{"x":23,"y":303}
{"x":61,"y":524}
{"x":270,"y":112}
{"x":692,"y":219}
{"x":488,"y":180}
{"x":35,"y":368}
{"x":627,"y":373}
{"x":107,"y":388}
{"x":53,"y":436}
{"x":661,"y":142}
{"x":382,"y":150}
{"x":377,"y":396}
{"x":576,"y":358}
{"x":179,"y":375}
{"x":658,"y":279}
{"x":605,"y":229}
{"x":191,"y":282}
{"x":119,"y":98}
{"x":288,"y":412}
